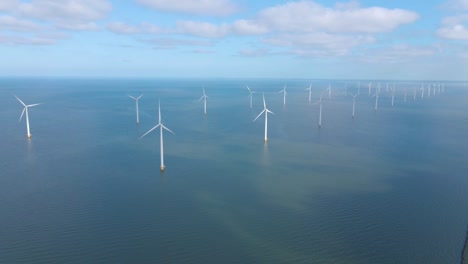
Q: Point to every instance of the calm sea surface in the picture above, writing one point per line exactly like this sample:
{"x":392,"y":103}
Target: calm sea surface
{"x":390,"y":186}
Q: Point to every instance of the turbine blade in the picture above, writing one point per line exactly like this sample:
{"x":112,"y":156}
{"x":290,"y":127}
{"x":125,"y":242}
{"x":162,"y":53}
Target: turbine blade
{"x":139,"y":96}
{"x":259,"y":115}
{"x":269,"y":111}
{"x":264,"y":104}
{"x":131,"y":97}
{"x":201,"y":98}
{"x":20,"y":101}
{"x":164,"y":127}
{"x":22,"y":113}
{"x":31,"y":105}
{"x":149,"y":131}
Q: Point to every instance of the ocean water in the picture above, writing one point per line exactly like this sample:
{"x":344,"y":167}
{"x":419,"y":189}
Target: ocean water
{"x":390,"y":186}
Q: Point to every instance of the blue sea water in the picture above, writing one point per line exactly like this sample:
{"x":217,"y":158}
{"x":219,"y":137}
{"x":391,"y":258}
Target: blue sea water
{"x":390,"y":186}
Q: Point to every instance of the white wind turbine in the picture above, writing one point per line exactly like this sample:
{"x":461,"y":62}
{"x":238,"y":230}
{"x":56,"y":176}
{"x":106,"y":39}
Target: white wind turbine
{"x":422,"y":91}
{"x":329,"y":91}
{"x":370,"y":86}
{"x":284,"y":94}
{"x":25,"y":109}
{"x":161,"y":143}
{"x":204,"y":96}
{"x":320,"y":110}
{"x":376,"y":95}
{"x":266,"y":111}
{"x":429,"y":90}
{"x":310,"y":92}
{"x":137,"y":111}
{"x":393,"y":95}
{"x":354,"y":103}
{"x":250,"y":96}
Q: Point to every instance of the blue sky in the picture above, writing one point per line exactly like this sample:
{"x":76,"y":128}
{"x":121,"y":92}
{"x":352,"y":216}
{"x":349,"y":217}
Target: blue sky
{"x":235,"y":39}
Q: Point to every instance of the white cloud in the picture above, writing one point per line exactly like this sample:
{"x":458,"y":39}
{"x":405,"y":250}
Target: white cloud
{"x":8,"y":4}
{"x":258,"y":52}
{"x":454,"y":27}
{"x":123,"y":28}
{"x":397,"y":53}
{"x":458,"y":4}
{"x":85,"y":26}
{"x":170,"y":43}
{"x":247,"y":27}
{"x":330,"y":44}
{"x":15,"y":40}
{"x":16,"y":24}
{"x":457,"y":31}
{"x":196,"y":7}
{"x":309,"y":16}
{"x":77,"y":10}
{"x":202,"y":29}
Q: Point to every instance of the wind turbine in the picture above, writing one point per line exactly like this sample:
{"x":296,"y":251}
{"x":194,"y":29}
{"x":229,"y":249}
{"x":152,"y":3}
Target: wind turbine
{"x":310,"y":91}
{"x":137,"y":112}
{"x":266,"y":111}
{"x":25,"y":109}
{"x":329,"y":91}
{"x":161,"y":143}
{"x":376,"y":95}
{"x":393,"y":95}
{"x":370,"y":86}
{"x":204,"y":96}
{"x":250,"y":96}
{"x":320,"y":111}
{"x":354,"y":104}
{"x":359,"y":87}
{"x":422,"y":91}
{"x":284,"y":94}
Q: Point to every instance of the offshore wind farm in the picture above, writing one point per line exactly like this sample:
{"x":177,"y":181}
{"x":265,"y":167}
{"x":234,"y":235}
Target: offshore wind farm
{"x":386,"y":186}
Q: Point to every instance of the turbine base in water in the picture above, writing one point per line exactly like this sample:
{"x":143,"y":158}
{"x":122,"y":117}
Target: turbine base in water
{"x":265,"y":140}
{"x":162,"y":168}
{"x":29,"y":136}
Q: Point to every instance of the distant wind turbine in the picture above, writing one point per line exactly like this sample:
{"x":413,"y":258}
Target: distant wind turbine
{"x":393,"y":95}
{"x":329,"y":91}
{"x":354,"y":104}
{"x":370,"y":86}
{"x":250,"y":96}
{"x":266,"y":111}
{"x":376,"y":95}
{"x":422,"y":91}
{"x":320,"y":111}
{"x":25,"y":109}
{"x":161,"y":142}
{"x":137,"y":111}
{"x":284,"y":94}
{"x":310,"y":92}
{"x":204,"y":96}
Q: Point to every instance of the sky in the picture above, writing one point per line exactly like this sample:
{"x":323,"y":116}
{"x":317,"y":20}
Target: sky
{"x":368,"y":39}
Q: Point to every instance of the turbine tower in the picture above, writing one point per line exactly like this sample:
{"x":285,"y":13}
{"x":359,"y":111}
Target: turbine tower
{"x":354,"y":104}
{"x":137,"y":111}
{"x":266,"y":111}
{"x":161,"y":143}
{"x":376,"y":95}
{"x":204,"y":96}
{"x":25,"y":109}
{"x":320,"y":110}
